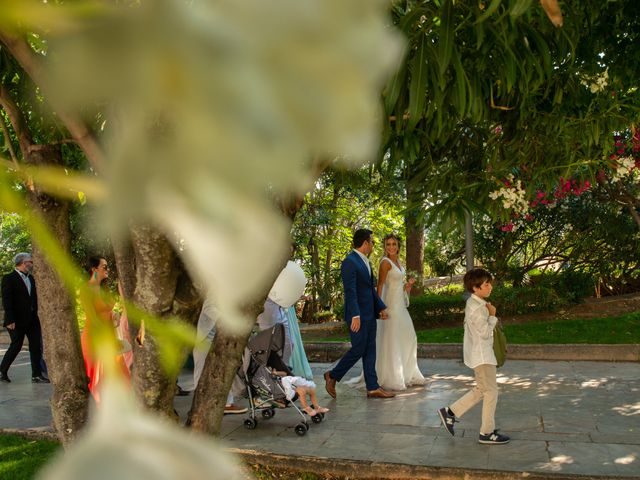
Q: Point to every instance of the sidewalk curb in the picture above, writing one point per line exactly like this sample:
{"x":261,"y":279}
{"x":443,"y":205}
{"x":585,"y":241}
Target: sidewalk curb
{"x":361,"y":469}
{"x":331,"y":351}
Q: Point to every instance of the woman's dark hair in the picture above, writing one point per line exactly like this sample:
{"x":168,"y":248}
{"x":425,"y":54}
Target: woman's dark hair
{"x":361,"y":236}
{"x":475,"y":278}
{"x":389,"y":236}
{"x":93,"y":262}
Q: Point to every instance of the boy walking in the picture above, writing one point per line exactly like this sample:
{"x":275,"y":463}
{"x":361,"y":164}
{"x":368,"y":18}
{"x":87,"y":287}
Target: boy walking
{"x":479,"y":321}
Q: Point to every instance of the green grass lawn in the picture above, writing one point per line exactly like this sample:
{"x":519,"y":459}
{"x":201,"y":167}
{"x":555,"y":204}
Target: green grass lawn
{"x":21,"y":458}
{"x":622,"y":329}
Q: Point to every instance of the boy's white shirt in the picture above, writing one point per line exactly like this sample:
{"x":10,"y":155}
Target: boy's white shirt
{"x":478,"y":333}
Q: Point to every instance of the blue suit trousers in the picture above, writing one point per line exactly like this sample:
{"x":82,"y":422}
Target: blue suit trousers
{"x":363,"y":346}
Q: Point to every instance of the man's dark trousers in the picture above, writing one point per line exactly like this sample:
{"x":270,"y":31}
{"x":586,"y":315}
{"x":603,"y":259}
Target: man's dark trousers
{"x":363,"y":345}
{"x":33,"y":334}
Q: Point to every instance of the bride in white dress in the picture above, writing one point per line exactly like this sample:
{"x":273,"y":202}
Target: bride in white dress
{"x":396,"y":342}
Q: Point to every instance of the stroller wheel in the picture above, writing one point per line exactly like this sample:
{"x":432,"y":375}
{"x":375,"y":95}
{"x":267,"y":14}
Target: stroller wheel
{"x":268,"y":413}
{"x":250,"y":423}
{"x":301,"y":429}
{"x":317,"y":418}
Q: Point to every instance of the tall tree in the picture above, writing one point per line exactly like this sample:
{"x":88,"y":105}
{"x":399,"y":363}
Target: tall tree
{"x":501,"y":78}
{"x":56,"y":306}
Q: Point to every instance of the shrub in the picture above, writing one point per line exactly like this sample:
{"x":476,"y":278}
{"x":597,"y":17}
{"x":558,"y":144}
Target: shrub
{"x":432,"y":309}
{"x":338,"y":310}
{"x":572,"y":285}
{"x":453,"y":289}
{"x":528,"y":299}
{"x":325,"y":316}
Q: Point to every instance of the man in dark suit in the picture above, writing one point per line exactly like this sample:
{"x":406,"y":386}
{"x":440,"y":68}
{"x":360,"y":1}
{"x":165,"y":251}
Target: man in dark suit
{"x":362,"y":306}
{"x":20,"y":301}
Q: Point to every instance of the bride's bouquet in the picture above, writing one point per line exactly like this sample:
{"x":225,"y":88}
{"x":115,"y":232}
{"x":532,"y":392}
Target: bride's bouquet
{"x":411,"y":276}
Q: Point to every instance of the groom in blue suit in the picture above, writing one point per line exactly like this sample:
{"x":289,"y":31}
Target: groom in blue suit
{"x":362,"y":306}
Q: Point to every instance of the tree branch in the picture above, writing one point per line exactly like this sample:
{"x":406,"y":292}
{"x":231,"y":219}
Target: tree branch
{"x":17,"y":121}
{"x":7,"y":141}
{"x":34,"y":67}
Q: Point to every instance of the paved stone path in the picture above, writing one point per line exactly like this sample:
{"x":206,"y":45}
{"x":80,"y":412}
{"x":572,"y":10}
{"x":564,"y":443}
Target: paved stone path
{"x":564,"y":418}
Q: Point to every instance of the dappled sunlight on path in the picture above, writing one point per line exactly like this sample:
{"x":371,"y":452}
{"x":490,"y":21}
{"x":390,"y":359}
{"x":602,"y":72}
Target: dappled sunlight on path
{"x":565,"y":418}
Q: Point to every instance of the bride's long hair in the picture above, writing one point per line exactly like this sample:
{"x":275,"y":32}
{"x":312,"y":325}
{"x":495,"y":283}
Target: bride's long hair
{"x":388,"y":237}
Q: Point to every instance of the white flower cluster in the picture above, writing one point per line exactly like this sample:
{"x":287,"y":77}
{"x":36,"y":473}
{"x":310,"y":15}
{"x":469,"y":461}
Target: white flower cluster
{"x":624,"y":166}
{"x":514,"y":197}
{"x":596,"y":83}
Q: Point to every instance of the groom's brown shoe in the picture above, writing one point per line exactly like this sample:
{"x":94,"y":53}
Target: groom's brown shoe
{"x":380,"y":393}
{"x":330,"y":384}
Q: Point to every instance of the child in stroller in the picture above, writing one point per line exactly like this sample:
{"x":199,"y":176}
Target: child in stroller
{"x":301,"y":387}
{"x":269,"y":382}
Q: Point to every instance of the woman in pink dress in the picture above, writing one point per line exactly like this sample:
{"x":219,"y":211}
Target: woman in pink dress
{"x":101,"y":304}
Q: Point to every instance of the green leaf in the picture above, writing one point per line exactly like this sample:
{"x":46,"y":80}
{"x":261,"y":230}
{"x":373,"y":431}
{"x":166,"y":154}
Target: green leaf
{"x":447,"y":33}
{"x":519,"y":7}
{"x":510,"y":65}
{"x":418,"y":86}
{"x":461,"y":83}
{"x":393,"y":89}
{"x":557,"y":98}
{"x":542,"y":47}
{"x":493,"y":6}
{"x":596,"y":132}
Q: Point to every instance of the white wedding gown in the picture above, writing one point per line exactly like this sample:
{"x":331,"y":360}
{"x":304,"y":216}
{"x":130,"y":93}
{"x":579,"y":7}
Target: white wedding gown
{"x":396,"y":342}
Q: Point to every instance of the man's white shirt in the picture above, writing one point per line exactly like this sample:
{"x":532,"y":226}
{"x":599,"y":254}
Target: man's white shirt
{"x":364,"y":259}
{"x":25,"y":279}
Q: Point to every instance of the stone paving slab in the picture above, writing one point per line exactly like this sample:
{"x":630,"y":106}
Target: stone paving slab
{"x":566,"y":420}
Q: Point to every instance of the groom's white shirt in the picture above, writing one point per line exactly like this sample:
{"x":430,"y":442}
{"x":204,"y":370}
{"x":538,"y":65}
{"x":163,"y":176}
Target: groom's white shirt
{"x":364,"y":259}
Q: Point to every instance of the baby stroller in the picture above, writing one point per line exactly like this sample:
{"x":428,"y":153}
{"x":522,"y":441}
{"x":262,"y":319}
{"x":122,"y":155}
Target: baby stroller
{"x":263,"y":388}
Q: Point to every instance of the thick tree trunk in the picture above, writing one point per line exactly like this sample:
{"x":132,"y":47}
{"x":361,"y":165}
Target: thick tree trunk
{"x":156,"y":291}
{"x":125,"y":258}
{"x":219,"y":371}
{"x":414,"y":230}
{"x":61,"y":337}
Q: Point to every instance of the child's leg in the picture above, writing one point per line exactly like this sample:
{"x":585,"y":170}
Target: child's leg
{"x":486,"y":379}
{"x":302,"y":396}
{"x":469,"y":399}
{"x":314,"y":402}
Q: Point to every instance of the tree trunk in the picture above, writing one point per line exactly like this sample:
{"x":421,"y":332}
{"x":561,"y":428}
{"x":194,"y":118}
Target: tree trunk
{"x":328,"y":287}
{"x":60,"y":333}
{"x":157,"y":273}
{"x":221,"y":365}
{"x":225,"y":355}
{"x":414,"y":230}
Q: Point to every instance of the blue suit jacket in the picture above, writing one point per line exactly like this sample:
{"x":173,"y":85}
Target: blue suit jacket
{"x":360,"y":295}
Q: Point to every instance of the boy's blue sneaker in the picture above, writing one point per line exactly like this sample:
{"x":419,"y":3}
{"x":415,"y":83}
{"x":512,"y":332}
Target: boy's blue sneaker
{"x":447,"y":420}
{"x":494,"y":438}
